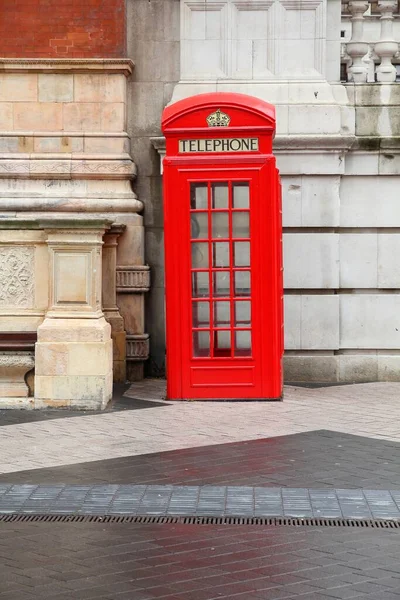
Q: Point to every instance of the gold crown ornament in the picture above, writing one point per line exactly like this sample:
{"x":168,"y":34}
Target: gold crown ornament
{"x":218,"y":119}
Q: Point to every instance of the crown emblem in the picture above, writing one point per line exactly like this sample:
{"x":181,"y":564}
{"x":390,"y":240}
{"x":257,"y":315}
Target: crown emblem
{"x":218,"y":119}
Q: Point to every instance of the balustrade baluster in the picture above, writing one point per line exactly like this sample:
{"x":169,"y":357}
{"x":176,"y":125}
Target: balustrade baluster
{"x":387,"y":47}
{"x":356,"y":48}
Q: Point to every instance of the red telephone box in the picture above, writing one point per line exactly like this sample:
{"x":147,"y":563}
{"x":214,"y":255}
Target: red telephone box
{"x":223,"y":241}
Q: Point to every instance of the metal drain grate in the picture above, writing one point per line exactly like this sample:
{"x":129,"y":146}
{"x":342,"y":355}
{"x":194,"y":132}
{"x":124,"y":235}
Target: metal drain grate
{"x":165,"y":520}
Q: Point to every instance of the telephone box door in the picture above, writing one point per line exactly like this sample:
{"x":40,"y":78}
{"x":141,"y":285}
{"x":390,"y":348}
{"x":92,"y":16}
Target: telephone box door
{"x":221,"y":228}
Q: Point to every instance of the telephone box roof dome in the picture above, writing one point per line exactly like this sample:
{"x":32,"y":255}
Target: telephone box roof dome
{"x":241,"y":102}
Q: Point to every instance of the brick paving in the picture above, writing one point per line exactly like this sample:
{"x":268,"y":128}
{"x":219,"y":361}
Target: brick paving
{"x":340,"y":443}
{"x":315,"y":459}
{"x":119,"y":402}
{"x":355,"y":409}
{"x":70,"y":561}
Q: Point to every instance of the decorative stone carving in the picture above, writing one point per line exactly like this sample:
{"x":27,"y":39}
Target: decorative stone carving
{"x":13,"y":368}
{"x":16,"y":281}
{"x":137,"y":347}
{"x":133,"y":279}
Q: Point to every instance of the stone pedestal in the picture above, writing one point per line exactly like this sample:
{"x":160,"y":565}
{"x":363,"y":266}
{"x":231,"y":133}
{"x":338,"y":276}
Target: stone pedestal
{"x":74,"y":347}
{"x":110,"y":308}
{"x":14,"y":391}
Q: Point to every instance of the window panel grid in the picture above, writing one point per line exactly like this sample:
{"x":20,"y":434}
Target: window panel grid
{"x":219,"y":338}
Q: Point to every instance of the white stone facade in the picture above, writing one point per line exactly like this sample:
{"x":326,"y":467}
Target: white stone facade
{"x":338,"y":154}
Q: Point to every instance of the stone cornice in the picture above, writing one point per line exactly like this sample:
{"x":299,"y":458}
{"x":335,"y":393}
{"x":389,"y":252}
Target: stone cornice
{"x":83,"y":223}
{"x":313,"y":143}
{"x":293,"y":142}
{"x":66,"y":65}
{"x":324,"y":143}
{"x":67,"y":166}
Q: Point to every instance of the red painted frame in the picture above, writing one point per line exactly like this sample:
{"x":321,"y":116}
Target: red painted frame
{"x":231,"y":376}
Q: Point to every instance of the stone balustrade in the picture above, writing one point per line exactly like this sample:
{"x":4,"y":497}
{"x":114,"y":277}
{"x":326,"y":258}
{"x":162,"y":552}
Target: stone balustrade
{"x":369,"y":60}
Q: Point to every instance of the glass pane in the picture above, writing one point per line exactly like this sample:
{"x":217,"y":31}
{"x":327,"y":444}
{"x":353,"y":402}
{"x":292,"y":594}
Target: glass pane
{"x":220,"y":225}
{"x":241,"y":254}
{"x":221,"y":283}
{"x":222,"y":314}
{"x":240,"y":194}
{"x":219,"y":195}
{"x":201,"y":314}
{"x":198,"y":196}
{"x":221,"y":254}
{"x":200,"y":284}
{"x":222,"y":343}
{"x":242,"y":313}
{"x":242,"y":283}
{"x":199,"y":225}
{"x":200,"y":255}
{"x":201,"y":343}
{"x":240,"y":225}
{"x":242,"y":343}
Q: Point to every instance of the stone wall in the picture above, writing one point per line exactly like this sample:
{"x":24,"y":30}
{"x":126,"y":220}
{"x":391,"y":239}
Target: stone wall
{"x":338,"y":153}
{"x":153,"y":44}
{"x":64,"y":151}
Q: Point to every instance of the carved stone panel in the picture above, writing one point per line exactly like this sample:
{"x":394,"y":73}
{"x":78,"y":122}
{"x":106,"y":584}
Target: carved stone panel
{"x":16,"y":277}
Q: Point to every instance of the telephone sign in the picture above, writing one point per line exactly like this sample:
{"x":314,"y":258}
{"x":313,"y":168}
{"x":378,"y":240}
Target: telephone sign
{"x":223,"y":249}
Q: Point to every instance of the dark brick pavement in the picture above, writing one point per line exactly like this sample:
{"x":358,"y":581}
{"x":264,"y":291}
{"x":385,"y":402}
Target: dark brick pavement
{"x":42,"y":561}
{"x":318,"y":459}
{"x":119,"y":402}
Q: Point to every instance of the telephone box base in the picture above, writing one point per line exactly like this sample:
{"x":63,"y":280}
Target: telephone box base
{"x":279,"y":399}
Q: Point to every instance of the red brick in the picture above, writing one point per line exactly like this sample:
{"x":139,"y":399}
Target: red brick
{"x":96,"y":28}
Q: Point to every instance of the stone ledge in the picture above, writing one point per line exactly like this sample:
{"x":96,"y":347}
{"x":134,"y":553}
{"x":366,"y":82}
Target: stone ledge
{"x":133,"y":279}
{"x":137,"y":347}
{"x":66,"y":65}
{"x":62,"y":204}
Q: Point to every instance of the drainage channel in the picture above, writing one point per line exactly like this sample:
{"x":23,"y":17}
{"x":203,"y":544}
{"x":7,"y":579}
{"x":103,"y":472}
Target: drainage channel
{"x":165,"y":520}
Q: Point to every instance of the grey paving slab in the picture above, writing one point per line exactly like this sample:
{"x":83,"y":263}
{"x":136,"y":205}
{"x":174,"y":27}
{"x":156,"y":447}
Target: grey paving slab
{"x":218,"y":501}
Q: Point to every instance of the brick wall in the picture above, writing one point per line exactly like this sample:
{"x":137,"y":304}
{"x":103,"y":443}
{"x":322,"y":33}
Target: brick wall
{"x":62,"y":28}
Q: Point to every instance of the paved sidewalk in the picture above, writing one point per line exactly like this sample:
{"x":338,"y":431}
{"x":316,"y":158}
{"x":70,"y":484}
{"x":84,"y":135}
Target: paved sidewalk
{"x":370,"y":410}
{"x":325,"y":452}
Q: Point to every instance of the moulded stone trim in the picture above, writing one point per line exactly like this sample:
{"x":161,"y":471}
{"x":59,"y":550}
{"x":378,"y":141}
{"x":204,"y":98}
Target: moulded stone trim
{"x":63,"y":65}
{"x":9,"y":168}
{"x":253,"y":4}
{"x":137,"y":347}
{"x":71,"y":204}
{"x":133,"y":279}
{"x":107,"y":168}
{"x":301,"y":4}
{"x":64,"y":164}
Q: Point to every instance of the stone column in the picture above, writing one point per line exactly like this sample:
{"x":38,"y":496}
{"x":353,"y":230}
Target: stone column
{"x":356,"y":47}
{"x":74,"y":348}
{"x":387,"y":46}
{"x":109,"y":301}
